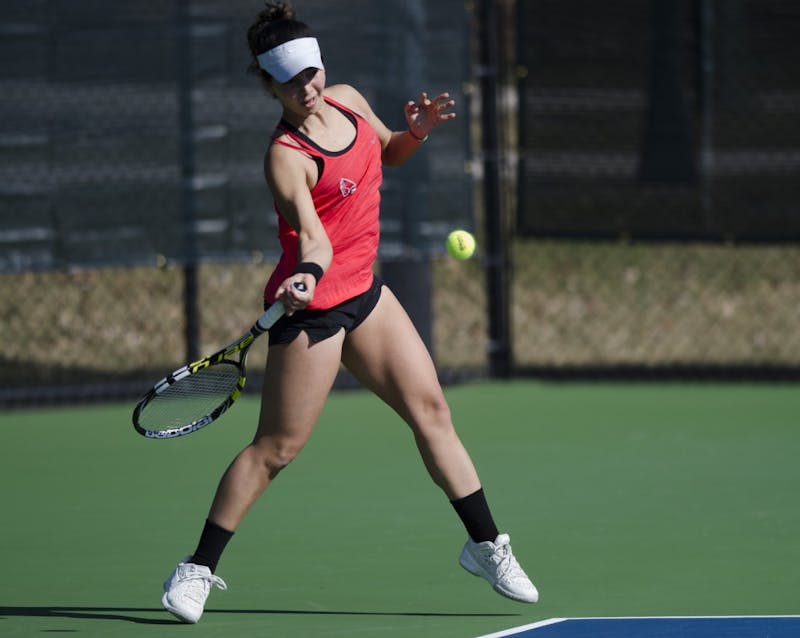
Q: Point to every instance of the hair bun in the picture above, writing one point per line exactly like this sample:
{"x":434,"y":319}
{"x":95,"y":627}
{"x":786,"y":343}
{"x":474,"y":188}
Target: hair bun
{"x":274,"y":11}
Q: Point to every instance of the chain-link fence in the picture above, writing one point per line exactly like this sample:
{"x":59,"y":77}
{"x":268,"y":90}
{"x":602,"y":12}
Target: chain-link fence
{"x":651,"y":127}
{"x":132,"y":191}
{"x":131,"y":141}
{"x":688,"y":308}
{"x":660,"y":120}
{"x":132,"y":132}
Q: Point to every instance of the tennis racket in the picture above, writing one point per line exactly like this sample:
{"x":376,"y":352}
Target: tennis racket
{"x":192,"y":397}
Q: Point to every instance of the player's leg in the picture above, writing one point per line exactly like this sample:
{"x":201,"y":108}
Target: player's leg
{"x":297,"y":381}
{"x":387,"y":355}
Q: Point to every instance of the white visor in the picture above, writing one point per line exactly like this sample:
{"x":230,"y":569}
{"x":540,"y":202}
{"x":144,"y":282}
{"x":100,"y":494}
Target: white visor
{"x":288,"y":59}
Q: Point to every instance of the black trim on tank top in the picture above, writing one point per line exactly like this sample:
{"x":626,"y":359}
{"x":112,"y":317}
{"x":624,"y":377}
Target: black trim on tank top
{"x":292,"y":129}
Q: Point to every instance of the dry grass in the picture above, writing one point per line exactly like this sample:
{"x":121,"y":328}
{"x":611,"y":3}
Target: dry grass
{"x":573,"y":303}
{"x":608,"y":303}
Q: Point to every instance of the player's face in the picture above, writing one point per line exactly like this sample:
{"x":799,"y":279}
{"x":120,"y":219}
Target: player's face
{"x":303,"y":93}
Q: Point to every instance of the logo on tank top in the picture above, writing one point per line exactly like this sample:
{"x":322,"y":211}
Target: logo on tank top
{"x":347,"y":187}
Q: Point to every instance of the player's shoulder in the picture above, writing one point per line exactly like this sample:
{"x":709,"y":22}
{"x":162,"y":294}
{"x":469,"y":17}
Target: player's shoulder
{"x":281,"y":146}
{"x":282,"y":156}
{"x":350,"y":97}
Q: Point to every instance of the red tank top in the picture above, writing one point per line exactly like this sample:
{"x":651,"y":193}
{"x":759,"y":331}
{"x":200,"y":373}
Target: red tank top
{"x":347,"y":200}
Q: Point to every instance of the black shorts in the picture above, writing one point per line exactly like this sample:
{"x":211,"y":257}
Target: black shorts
{"x":322,"y":324}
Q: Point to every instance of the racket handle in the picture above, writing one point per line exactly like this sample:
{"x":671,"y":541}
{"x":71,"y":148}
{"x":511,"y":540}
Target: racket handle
{"x":274,"y":312}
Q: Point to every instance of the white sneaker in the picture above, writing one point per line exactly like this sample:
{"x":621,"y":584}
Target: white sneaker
{"x":496,"y":563}
{"x":187,"y":588}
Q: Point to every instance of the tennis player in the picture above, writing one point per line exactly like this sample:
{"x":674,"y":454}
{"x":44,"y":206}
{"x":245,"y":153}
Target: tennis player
{"x":324,"y":168}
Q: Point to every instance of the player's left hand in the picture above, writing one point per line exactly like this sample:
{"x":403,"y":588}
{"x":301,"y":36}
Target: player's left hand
{"x":426,"y":113}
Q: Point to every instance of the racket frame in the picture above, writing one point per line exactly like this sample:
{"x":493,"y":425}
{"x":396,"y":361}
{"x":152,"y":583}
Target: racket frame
{"x":241,"y":346}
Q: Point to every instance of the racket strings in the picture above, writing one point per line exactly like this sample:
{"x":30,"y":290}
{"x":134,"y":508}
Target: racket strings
{"x":191,"y":398}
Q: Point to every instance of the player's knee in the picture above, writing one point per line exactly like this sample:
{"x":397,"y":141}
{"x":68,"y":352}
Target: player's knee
{"x":274,"y":465}
{"x":277,"y":457}
{"x":431,"y":416}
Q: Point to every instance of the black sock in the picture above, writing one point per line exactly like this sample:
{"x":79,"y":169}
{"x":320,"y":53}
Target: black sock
{"x":473,"y":510}
{"x":212,"y":543}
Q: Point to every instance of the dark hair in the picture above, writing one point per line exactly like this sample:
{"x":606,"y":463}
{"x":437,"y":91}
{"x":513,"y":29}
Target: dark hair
{"x":274,"y":25}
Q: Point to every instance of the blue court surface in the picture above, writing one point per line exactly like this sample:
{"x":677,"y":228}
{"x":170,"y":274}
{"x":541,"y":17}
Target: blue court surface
{"x":662,"y":627}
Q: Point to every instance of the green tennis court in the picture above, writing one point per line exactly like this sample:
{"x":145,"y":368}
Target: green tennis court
{"x":621,"y":500}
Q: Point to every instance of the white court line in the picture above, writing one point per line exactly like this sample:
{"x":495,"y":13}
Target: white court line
{"x":535,"y":625}
{"x":733,"y":617}
{"x":554,"y":621}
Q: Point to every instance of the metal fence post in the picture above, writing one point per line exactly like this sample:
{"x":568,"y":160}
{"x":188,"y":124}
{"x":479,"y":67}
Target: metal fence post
{"x":494,"y":213}
{"x":183,"y":29}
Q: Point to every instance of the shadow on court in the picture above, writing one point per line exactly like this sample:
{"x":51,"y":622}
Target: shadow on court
{"x":125,"y":613}
{"x":88,"y":613}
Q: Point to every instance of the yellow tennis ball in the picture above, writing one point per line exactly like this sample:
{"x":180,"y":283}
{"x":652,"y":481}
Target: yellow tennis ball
{"x":460,"y":244}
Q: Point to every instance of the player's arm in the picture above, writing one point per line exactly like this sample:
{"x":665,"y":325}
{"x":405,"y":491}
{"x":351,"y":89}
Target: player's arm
{"x":421,"y":118}
{"x":290,"y":176}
